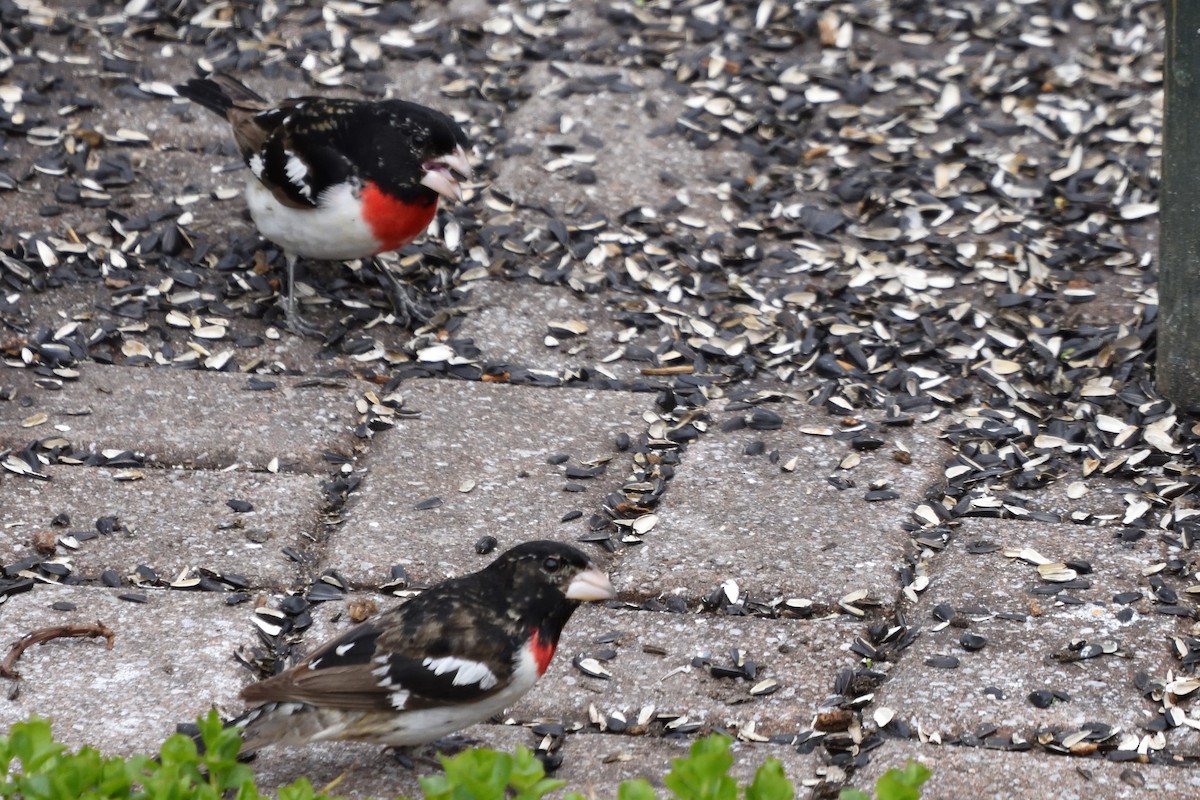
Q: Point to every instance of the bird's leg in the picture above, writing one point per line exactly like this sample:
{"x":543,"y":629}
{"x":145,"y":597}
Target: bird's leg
{"x":295,"y":323}
{"x":406,"y":309}
{"x":410,"y":756}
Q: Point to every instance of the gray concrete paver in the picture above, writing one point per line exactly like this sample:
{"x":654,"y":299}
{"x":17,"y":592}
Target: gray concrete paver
{"x":508,"y":322}
{"x":593,"y":763}
{"x":171,"y":520}
{"x":170,"y":661}
{"x":618,"y":185}
{"x":1105,"y":499}
{"x":984,"y":774}
{"x":789,"y":533}
{"x":187,"y":418}
{"x":653,"y":667}
{"x":1020,"y":655}
{"x":498,"y":438}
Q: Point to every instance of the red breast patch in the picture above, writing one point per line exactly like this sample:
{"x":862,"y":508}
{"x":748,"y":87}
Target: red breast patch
{"x":542,"y":652}
{"x":394,"y":222}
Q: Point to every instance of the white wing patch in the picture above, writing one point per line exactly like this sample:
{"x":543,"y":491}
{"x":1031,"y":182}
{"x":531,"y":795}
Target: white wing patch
{"x":286,"y":709}
{"x":465,"y":672}
{"x":296,"y":171}
{"x":399,"y":699}
{"x":340,"y":650}
{"x":256,"y":165}
{"x":381,"y":672}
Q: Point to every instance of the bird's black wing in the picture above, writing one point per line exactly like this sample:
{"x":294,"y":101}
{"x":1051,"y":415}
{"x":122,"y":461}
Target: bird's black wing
{"x":430,"y":652}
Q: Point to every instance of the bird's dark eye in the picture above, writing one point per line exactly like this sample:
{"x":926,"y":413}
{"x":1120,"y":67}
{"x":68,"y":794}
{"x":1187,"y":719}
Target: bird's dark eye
{"x":551,"y":564}
{"x":419,"y":140}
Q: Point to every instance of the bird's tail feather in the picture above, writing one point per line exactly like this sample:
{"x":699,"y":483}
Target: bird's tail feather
{"x":219,"y":93}
{"x":270,"y":723}
{"x":279,"y":723}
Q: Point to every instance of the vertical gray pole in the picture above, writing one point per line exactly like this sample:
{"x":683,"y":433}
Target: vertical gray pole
{"x":1179,"y":203}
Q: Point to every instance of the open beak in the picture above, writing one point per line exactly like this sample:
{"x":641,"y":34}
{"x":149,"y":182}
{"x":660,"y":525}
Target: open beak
{"x":591,"y":584}
{"x":442,"y":175}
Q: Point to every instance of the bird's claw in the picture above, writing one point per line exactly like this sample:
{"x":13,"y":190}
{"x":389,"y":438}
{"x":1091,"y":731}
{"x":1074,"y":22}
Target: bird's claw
{"x":408,"y":757}
{"x":300,"y":326}
{"x":408,"y":312}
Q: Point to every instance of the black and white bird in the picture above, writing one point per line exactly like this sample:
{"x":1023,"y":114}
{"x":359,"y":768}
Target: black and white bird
{"x":339,"y":179}
{"x":452,"y":656}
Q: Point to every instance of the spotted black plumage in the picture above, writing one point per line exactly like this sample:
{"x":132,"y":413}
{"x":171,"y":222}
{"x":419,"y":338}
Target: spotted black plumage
{"x":326,"y":136}
{"x":451,"y":656}
{"x":335,"y":178}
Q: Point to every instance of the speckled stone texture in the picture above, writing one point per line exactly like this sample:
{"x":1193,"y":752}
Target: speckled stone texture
{"x":170,"y":661}
{"x":992,"y":775}
{"x":820,"y":211}
{"x":497,"y":440}
{"x":793,"y":533}
{"x":187,"y":418}
{"x":172,"y":521}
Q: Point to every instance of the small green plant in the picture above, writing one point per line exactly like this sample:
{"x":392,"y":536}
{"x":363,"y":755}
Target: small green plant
{"x":33,"y":766}
{"x":480,"y":773}
{"x":704,"y":775}
{"x":895,"y":784}
{"x":181,"y":772}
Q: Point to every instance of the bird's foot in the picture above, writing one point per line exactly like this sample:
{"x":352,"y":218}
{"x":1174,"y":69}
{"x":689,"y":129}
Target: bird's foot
{"x":409,"y":757}
{"x":408,"y":312}
{"x":428,"y":754}
{"x":301,"y":327}
{"x":295,"y":322}
{"x":455,"y":743}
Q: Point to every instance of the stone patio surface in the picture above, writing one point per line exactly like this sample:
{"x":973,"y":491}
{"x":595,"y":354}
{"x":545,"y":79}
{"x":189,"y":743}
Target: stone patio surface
{"x":785,"y":543}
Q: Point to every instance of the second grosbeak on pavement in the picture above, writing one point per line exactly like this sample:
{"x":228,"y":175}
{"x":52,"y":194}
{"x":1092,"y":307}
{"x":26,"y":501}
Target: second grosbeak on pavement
{"x":452,"y":656}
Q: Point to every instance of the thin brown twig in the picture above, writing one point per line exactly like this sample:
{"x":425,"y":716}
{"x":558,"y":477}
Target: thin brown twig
{"x":678,"y":369}
{"x":43,"y":635}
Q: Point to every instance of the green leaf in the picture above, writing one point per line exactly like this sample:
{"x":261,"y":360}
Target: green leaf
{"x":33,"y":743}
{"x":903,"y":784}
{"x":770,"y":783}
{"x":703,"y":775}
{"x":852,"y":794}
{"x":478,"y":773}
{"x":435,"y":787}
{"x":178,"y":750}
{"x":76,"y":774}
{"x":636,"y":789}
{"x":528,"y":778}
{"x":916,"y":773}
{"x":299,"y":789}
{"x":526,"y":770}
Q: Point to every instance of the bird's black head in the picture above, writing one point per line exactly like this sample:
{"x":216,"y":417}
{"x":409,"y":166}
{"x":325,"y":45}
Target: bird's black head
{"x":428,"y":132}
{"x":427,"y":141}
{"x":542,"y":577}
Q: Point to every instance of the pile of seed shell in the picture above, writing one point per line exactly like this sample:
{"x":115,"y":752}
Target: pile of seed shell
{"x":947,"y":210}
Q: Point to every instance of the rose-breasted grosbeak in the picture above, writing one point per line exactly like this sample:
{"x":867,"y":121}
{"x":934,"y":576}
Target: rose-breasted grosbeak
{"x":452,"y":656}
{"x":338,"y":179}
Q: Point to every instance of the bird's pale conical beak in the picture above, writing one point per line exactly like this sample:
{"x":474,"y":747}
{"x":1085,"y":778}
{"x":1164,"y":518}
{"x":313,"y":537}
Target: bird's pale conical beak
{"x":591,"y":585}
{"x":440,"y":174}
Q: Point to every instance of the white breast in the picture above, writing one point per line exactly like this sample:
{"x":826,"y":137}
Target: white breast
{"x":333,"y":231}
